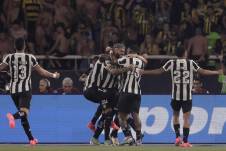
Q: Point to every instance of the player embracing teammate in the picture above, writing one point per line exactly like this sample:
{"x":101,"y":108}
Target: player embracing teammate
{"x":126,"y":92}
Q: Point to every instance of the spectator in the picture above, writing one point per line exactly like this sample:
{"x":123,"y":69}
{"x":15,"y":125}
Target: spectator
{"x":31,"y":11}
{"x":61,"y":45}
{"x":211,"y":17}
{"x":67,"y":87}
{"x":17,"y":30}
{"x":198,"y":87}
{"x":12,"y":10}
{"x":44,"y":32}
{"x":63,"y":13}
{"x":5,"y":44}
{"x":91,"y":8}
{"x":149,"y":46}
{"x":44,"y":87}
{"x":163,"y":11}
{"x":197,"y":48}
{"x":109,"y":34}
{"x":83,"y":39}
{"x":119,"y":15}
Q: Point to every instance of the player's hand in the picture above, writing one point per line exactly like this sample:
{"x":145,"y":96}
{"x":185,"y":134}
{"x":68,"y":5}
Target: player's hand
{"x":139,"y":71}
{"x":56,"y":75}
{"x":132,"y":55}
{"x":130,"y":67}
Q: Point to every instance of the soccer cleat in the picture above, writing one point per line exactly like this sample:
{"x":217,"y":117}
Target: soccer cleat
{"x":115,"y":141}
{"x":34,"y":142}
{"x":178,"y":141}
{"x":107,"y":142}
{"x":94,"y":141}
{"x":114,"y":126}
{"x":91,"y":126}
{"x":128,"y":141}
{"x":11,"y":120}
{"x":139,"y":142}
{"x":186,"y":145}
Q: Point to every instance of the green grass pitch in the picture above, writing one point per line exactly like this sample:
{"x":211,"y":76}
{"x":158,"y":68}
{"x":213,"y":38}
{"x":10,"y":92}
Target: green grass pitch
{"x":110,"y":148}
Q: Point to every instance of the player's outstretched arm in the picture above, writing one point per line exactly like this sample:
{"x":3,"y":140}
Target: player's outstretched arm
{"x":152,"y":72}
{"x":46,"y":73}
{"x":117,"y":71}
{"x":139,"y":57}
{"x":209,"y":72}
{"x":3,"y":66}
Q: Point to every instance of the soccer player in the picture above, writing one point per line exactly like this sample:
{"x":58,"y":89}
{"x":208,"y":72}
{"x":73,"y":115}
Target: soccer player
{"x":130,"y":97}
{"x":182,"y":74}
{"x":20,"y":65}
{"x":100,"y":88}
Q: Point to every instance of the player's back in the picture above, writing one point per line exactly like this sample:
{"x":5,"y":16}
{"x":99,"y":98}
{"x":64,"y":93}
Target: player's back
{"x":131,"y":78}
{"x":20,"y":67}
{"x":182,"y":73}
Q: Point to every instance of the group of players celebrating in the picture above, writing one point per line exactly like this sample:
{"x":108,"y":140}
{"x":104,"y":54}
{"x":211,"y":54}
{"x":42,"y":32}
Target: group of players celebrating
{"x":114,"y":83}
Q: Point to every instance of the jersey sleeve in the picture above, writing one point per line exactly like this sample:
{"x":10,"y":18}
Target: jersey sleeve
{"x":6,"y":60}
{"x":195,"y":66}
{"x":168,"y":65}
{"x":34,"y":61}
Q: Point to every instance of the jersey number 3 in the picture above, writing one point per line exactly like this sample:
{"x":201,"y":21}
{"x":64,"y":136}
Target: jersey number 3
{"x":21,"y":72}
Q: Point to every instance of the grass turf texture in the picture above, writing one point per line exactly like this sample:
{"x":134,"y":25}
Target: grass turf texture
{"x":110,"y":148}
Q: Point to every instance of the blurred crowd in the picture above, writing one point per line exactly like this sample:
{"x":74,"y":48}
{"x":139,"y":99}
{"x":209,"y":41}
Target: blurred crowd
{"x":87,"y":27}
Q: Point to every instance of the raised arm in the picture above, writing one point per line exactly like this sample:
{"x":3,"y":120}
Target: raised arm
{"x":117,"y":71}
{"x":139,"y":57}
{"x":46,"y":73}
{"x":3,"y":66}
{"x":152,"y":72}
{"x":209,"y":72}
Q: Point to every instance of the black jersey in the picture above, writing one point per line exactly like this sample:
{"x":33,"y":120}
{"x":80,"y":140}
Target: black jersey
{"x":20,"y":67}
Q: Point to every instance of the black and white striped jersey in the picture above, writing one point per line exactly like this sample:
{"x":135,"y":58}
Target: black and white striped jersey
{"x":182,"y":73}
{"x":131,"y":79}
{"x":20,"y":67}
{"x":100,"y":77}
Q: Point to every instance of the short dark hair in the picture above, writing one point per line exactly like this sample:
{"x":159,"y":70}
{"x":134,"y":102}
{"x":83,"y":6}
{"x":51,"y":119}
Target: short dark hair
{"x":119,"y":45}
{"x":180,"y":51}
{"x":19,"y":44}
{"x":133,"y":49}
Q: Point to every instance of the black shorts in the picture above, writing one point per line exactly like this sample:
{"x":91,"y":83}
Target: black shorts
{"x":105,"y":97}
{"x":22,"y":100}
{"x":129,"y":103}
{"x":185,"y":105}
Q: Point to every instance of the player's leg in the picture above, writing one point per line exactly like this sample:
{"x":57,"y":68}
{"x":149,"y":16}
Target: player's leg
{"x":108,"y":116}
{"x":115,"y":123}
{"x":186,"y":107}
{"x":114,"y":132}
{"x":124,"y":106}
{"x":91,"y":124}
{"x":99,"y":129}
{"x":131,"y":122}
{"x":93,"y":95}
{"x":13,"y":117}
{"x":176,"y":106}
{"x":135,"y":114}
{"x":25,"y":100}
